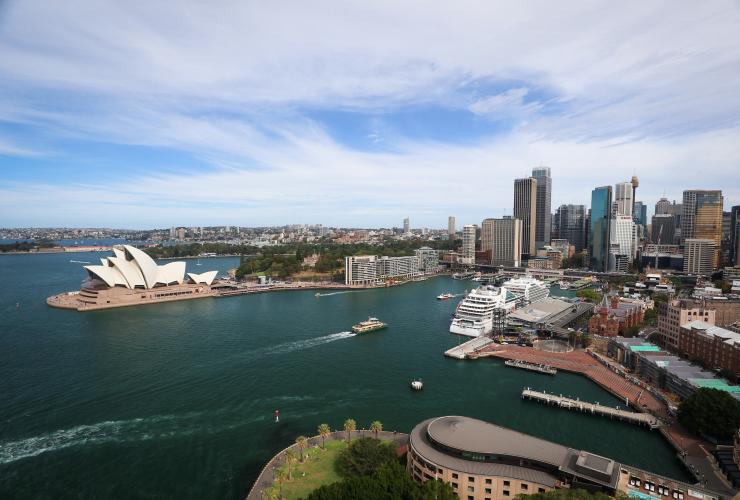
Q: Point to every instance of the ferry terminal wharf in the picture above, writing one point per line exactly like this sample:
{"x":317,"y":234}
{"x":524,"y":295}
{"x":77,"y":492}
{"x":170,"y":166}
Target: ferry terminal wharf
{"x":593,"y":408}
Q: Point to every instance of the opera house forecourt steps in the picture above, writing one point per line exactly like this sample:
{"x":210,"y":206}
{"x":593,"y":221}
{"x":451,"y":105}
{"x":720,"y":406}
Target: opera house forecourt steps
{"x":130,"y":277}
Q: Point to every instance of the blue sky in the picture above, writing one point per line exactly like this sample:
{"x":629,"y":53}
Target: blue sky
{"x":154,"y":114}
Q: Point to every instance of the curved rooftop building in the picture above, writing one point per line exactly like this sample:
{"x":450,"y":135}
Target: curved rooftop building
{"x":483,"y":461}
{"x":131,"y":277}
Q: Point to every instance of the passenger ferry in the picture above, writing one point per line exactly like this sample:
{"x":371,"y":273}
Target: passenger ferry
{"x":371,"y":325}
{"x":474,"y":314}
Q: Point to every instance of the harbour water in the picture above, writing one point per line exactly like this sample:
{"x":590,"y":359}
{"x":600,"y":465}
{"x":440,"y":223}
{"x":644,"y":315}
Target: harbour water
{"x":177,"y":399}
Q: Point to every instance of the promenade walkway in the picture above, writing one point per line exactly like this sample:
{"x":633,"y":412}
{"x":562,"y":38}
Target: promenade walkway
{"x":266,"y":476}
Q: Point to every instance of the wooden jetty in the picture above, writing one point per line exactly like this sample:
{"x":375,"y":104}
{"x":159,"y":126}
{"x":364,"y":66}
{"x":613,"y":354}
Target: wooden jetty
{"x":534,"y":367}
{"x":593,"y":408}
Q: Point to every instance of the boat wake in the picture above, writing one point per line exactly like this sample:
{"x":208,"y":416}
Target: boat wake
{"x":80,"y":261}
{"x":114,"y":431}
{"x":338,"y":293}
{"x":299,"y":345}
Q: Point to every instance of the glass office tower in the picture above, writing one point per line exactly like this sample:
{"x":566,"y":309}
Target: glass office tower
{"x":601,"y":207}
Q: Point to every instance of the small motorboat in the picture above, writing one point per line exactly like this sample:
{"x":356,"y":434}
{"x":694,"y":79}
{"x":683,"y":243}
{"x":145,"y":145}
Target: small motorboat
{"x":444,"y":296}
{"x":417,"y":385}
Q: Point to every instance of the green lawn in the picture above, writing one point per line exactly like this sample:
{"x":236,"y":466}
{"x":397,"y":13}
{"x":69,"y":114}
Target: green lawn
{"x":317,"y":470}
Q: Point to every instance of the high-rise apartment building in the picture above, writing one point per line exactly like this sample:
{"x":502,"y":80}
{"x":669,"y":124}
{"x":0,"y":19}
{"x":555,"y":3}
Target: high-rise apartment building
{"x":623,"y":199}
{"x":451,"y":227}
{"x":525,"y":209}
{"x":486,"y":235}
{"x":601,"y":207}
{"x":702,"y":218}
{"x":506,"y":242}
{"x":570,"y":223}
{"x":543,"y":207}
{"x":406,"y":226}
{"x":699,"y":256}
{"x":468,"y":241}
{"x":662,"y":229}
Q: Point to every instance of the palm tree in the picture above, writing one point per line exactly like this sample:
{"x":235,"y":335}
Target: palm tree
{"x":324,"y":432}
{"x":301,"y":441}
{"x":349,"y":426}
{"x":289,"y":459}
{"x":376,"y":427}
{"x":280,"y":477}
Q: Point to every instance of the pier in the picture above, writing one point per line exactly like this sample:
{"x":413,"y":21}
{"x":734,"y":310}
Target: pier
{"x":472,"y":346}
{"x":593,"y":408}
{"x":534,"y":367}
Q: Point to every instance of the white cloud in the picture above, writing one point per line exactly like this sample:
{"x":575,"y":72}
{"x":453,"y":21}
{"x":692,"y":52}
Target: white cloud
{"x":593,"y":90}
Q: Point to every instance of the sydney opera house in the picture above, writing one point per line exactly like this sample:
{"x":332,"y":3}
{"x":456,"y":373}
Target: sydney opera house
{"x":130,"y":277}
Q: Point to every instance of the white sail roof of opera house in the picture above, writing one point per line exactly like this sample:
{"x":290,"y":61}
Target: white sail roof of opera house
{"x":203,"y":278}
{"x":131,"y":268}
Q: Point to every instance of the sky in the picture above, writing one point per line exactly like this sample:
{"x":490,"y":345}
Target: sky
{"x":144,"y":114}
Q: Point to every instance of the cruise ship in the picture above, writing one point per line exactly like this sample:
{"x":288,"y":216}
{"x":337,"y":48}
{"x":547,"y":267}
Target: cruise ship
{"x":527,"y":290}
{"x":474,"y":314}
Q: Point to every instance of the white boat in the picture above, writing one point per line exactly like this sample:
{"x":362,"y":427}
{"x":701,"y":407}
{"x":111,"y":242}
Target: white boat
{"x":474,"y":314}
{"x":445,"y":296}
{"x":417,"y":385}
{"x":564,"y":285}
{"x":527,"y":289}
{"x":198,"y":263}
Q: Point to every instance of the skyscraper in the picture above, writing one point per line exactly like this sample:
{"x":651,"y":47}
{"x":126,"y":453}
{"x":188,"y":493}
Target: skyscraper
{"x":543,"y":207}
{"x":570,"y":221}
{"x":621,"y":242}
{"x":451,"y":227}
{"x":702,"y":217}
{"x":525,"y":209}
{"x":601,"y":207}
{"x":640,"y":214}
{"x":468,"y":241}
{"x":663,"y":206}
{"x":663,"y":229}
{"x":406,"y":226}
{"x":506,"y":242}
{"x":623,"y":199}
{"x":735,"y":235}
{"x":486,"y":235}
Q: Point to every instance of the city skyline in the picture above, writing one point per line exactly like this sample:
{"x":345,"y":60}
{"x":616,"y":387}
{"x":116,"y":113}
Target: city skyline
{"x":248,"y":115}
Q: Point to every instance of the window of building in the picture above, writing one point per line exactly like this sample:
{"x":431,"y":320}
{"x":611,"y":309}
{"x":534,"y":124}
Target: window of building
{"x":454,"y":475}
{"x":488,"y":491}
{"x":540,"y":490}
{"x":454,"y":486}
{"x":489,"y":481}
{"x":471,"y":489}
{"x":506,"y":493}
{"x":525,"y":486}
{"x":471,"y":497}
{"x":471,"y":479}
{"x":507,"y":483}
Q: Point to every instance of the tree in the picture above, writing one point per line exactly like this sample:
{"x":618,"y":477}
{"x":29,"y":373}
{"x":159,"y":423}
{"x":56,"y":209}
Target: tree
{"x":390,"y":481}
{"x":710,"y":411}
{"x":301,"y":441}
{"x":349,"y":426}
{"x":376,"y":426}
{"x":289,"y":459}
{"x":281,"y":476}
{"x":588,"y":294}
{"x":364,"y":457}
{"x":324,"y":432}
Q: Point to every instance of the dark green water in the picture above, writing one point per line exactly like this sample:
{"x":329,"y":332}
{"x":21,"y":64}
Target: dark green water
{"x":178,"y":399}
